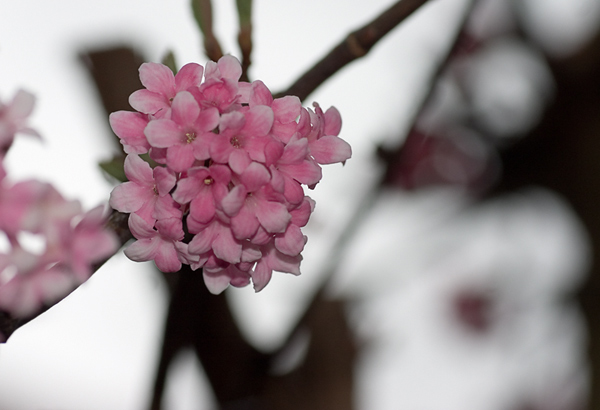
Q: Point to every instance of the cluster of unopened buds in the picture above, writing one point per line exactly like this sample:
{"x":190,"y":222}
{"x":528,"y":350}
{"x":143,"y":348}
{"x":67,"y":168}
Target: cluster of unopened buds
{"x":48,"y":243}
{"x":226,"y":192}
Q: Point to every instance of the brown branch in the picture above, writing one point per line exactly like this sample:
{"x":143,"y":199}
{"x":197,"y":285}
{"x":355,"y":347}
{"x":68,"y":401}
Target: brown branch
{"x":355,"y":45}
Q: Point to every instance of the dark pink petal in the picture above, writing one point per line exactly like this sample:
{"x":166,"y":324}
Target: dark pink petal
{"x":239,"y":161}
{"x":226,"y":247}
{"x":293,"y":191}
{"x":208,"y":120}
{"x":234,"y":201}
{"x":244,"y":225}
{"x":202,"y":241}
{"x":255,"y":176}
{"x":261,"y":275}
{"x":171,"y":228}
{"x":291,"y":242}
{"x":166,"y":257}
{"x":158,"y":78}
{"x":301,"y":214}
{"x":165,"y":180}
{"x":180,"y":157}
{"x":202,"y":206}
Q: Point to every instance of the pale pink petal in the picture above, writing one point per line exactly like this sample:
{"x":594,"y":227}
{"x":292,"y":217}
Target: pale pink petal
{"x":230,"y":67}
{"x":129,"y":197}
{"x":259,"y":120}
{"x":158,"y":78}
{"x":129,"y":127}
{"x":190,"y":75}
{"x":142,"y":250}
{"x":140,"y":228}
{"x":260,"y":94}
{"x":163,"y":133}
{"x":330,"y":149}
{"x":286,"y":109}
{"x":138,"y":170}
{"x":215,"y":282}
{"x":333,"y":122}
{"x":149,"y":102}
{"x":273,"y":216}
{"x":185,"y":109}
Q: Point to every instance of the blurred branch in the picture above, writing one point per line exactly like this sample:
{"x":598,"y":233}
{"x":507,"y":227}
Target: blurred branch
{"x":244,"y":8}
{"x":202,"y":10}
{"x":355,"y":45}
{"x":117,"y":222}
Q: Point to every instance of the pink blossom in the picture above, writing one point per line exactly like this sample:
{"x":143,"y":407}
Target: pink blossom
{"x":204,"y":189}
{"x":235,"y":165}
{"x":129,"y":127}
{"x":147,"y":191}
{"x":324,"y":144}
{"x":242,"y":138}
{"x":162,"y":86}
{"x":163,"y":245}
{"x":13,"y":118}
{"x":187,"y":135}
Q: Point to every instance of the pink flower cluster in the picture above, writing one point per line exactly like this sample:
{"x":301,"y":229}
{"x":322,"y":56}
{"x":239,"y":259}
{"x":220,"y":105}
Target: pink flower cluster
{"x":49,"y":244}
{"x":232,"y":162}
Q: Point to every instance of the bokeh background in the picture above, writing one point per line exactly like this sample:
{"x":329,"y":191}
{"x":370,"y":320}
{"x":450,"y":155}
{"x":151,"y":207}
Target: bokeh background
{"x":460,"y":236}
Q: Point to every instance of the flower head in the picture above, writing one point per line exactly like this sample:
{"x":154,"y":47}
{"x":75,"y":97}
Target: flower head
{"x":234,"y":160}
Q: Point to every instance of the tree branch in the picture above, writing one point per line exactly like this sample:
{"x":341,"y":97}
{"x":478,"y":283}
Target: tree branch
{"x":355,"y":45}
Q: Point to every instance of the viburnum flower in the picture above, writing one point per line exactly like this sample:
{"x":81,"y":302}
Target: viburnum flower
{"x":13,"y":118}
{"x":236,"y":160}
{"x":67,"y":241}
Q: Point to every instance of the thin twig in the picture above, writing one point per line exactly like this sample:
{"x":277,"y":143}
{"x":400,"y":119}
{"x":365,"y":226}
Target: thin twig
{"x":355,"y":45}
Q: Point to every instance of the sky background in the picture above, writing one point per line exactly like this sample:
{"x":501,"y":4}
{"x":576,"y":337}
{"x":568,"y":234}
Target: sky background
{"x":98,"y":348}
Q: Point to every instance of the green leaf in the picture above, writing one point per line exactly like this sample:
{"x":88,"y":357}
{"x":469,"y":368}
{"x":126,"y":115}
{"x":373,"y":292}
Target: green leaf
{"x":244,"y":8}
{"x":114,"y":168}
{"x":169,"y":61}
